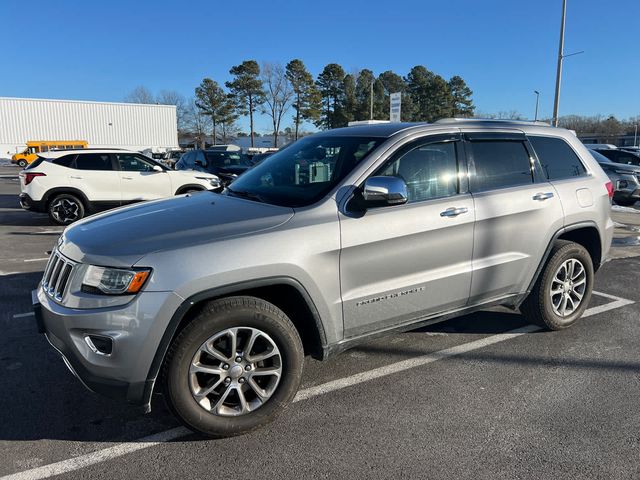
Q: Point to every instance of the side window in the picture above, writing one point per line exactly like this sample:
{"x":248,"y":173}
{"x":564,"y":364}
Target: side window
{"x":94,"y":161}
{"x":65,"y":161}
{"x":557,"y":158}
{"x":130,"y":162}
{"x":430,"y":170}
{"x":628,"y":158}
{"x":200,"y":158}
{"x":500,"y":164}
{"x":44,"y":148}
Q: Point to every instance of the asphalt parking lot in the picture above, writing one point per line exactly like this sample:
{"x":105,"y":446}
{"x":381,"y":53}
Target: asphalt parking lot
{"x":482,"y":396}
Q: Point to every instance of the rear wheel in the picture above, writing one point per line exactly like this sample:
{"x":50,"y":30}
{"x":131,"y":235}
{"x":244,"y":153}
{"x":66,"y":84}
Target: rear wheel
{"x":65,"y":209}
{"x":234,"y":367}
{"x":563,"y":290}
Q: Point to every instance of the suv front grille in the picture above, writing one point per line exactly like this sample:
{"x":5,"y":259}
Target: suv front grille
{"x":57,"y":275}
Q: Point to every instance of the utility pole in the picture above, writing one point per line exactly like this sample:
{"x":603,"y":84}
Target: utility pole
{"x":535,"y":118}
{"x":556,"y":101}
{"x":561,"y":57}
{"x":635,"y":136}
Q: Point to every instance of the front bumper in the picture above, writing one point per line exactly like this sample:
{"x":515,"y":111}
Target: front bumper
{"x":135,"y":329}
{"x":27,"y":203}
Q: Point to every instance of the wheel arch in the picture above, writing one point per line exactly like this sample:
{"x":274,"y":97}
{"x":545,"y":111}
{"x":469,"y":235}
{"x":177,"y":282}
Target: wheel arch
{"x":191,"y":186}
{"x":284,"y":292}
{"x":52,"y":193}
{"x":583,"y":233}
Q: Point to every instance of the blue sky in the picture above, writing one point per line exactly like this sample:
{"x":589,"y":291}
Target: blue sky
{"x":504,"y":49}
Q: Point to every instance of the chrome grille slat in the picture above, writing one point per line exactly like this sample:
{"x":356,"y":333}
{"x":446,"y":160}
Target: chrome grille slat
{"x":57,"y":275}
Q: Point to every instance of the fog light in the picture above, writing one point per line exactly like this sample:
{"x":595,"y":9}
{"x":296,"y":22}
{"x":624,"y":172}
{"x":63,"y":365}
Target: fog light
{"x":99,"y":344}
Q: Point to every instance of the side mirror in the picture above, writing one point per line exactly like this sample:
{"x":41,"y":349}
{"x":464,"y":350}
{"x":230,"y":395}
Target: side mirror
{"x":157,"y":168}
{"x":382,"y":191}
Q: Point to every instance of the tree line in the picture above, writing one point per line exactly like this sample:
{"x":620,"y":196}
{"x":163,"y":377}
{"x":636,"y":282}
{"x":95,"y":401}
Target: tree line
{"x":330,"y":100}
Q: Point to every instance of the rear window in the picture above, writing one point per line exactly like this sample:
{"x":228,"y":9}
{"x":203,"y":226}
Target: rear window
{"x":65,"y":161}
{"x":38,"y":161}
{"x":557,"y":158}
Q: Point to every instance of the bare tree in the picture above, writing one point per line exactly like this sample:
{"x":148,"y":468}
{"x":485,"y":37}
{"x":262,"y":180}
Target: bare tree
{"x":140,"y":94}
{"x":197,"y":122}
{"x":278,"y":94}
{"x":171,"y":97}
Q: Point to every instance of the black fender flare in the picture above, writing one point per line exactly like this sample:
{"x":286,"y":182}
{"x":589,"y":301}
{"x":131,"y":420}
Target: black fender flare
{"x":218,"y":292}
{"x":49,"y":194}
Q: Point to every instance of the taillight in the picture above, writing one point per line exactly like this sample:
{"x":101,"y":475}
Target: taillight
{"x":609,"y":186}
{"x":28,"y":176}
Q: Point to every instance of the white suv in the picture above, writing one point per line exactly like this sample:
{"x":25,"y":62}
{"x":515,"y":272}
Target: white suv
{"x":69,"y":185}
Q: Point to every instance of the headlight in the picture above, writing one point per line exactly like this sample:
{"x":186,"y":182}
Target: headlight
{"x":114,"y":281}
{"x":214,"y":181}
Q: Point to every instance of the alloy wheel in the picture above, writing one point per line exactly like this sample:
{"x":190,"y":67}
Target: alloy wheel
{"x":568,"y":287}
{"x":235,"y":371}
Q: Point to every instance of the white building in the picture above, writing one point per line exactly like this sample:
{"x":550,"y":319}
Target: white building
{"x":102,"y":124}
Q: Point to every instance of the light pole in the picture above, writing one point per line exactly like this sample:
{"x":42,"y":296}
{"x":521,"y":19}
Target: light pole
{"x":535,"y":118}
{"x":561,"y":57}
{"x":371,"y":102}
{"x":635,"y":136}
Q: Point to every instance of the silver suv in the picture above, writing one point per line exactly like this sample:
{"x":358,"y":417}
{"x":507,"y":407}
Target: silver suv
{"x":215,"y":299}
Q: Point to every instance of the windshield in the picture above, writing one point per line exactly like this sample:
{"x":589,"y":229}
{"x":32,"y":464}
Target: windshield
{"x":227,"y":159}
{"x":305,"y":171}
{"x":599,"y":157}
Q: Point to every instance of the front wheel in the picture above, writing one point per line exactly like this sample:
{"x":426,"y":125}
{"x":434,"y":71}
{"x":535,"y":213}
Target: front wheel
{"x":234,"y":367}
{"x":22,"y":163}
{"x":65,"y":209}
{"x":563,"y":290}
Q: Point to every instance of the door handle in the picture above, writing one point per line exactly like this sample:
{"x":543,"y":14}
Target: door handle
{"x":454,"y":211}
{"x":543,"y":196}
{"x":127,"y":178}
{"x":75,"y":177}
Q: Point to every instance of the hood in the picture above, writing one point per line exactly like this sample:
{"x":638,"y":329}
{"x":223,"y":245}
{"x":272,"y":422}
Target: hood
{"x":121,"y":237}
{"x":191,"y":173}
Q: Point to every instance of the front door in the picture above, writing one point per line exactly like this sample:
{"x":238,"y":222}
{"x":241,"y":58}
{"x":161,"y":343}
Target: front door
{"x":139,"y":181}
{"x":400,"y":263}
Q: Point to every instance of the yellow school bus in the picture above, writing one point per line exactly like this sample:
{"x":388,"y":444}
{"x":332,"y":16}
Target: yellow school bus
{"x":34,"y":147}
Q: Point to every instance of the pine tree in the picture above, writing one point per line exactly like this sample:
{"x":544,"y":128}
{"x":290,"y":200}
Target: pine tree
{"x":213,"y":102}
{"x":246,"y":89}
{"x":307,"y":102}
{"x":462,"y":104}
{"x":330,"y":83}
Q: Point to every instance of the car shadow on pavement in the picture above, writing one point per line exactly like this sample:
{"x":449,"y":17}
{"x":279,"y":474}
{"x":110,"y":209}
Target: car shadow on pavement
{"x":41,"y":399}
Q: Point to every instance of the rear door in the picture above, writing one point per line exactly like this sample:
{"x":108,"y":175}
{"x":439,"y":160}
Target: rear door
{"x":399,"y":263}
{"x":139,"y":181}
{"x":95,"y":175}
{"x":517,"y":213}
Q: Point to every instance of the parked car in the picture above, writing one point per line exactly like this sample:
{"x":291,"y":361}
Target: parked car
{"x":601,"y":146}
{"x":620,"y":156}
{"x":633,"y":149}
{"x":216,"y":299}
{"x":225,"y":164}
{"x":625,"y":178}
{"x":71,"y":184}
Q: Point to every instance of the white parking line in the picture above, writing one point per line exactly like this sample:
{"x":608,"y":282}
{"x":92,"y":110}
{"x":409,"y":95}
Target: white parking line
{"x":22,"y":315}
{"x":121,"y":449}
{"x":41,"y":259}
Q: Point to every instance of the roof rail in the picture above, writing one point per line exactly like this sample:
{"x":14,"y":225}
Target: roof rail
{"x":493,"y":120}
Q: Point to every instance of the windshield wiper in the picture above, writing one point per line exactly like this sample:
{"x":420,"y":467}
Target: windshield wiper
{"x":247,"y":195}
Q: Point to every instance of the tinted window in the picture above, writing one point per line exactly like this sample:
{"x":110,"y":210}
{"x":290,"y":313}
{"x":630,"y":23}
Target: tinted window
{"x":65,"y":161}
{"x":226,"y":159}
{"x":429,"y":170}
{"x":133,"y":163}
{"x":500,"y":164}
{"x":557,"y":158}
{"x":94,"y":161}
{"x":186,"y":161}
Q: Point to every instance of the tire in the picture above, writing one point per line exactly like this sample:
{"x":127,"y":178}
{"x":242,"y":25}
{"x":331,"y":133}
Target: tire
{"x":64,"y":209}
{"x":188,"y":390}
{"x":22,"y":163}
{"x":543,"y":308}
{"x":625,"y":203}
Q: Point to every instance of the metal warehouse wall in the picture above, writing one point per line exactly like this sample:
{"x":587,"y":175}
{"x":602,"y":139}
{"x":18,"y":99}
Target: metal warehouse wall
{"x":102,"y":124}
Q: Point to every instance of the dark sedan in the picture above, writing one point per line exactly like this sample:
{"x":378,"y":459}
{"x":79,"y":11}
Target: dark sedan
{"x":625,"y":178}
